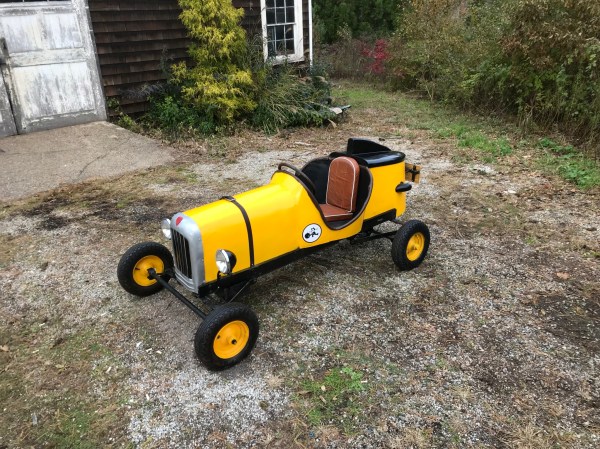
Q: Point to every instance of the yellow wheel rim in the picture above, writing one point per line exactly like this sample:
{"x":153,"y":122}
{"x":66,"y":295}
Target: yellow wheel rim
{"x":415,"y":246}
{"x":231,"y":339}
{"x":140,"y":270}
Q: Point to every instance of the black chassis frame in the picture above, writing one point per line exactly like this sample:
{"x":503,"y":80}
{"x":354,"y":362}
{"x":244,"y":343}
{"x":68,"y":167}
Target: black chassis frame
{"x":248,"y":277}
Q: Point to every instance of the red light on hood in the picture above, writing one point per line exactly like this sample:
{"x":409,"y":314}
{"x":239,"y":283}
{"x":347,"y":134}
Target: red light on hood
{"x":178,"y":220}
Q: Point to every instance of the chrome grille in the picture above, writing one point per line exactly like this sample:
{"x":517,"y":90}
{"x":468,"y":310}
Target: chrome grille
{"x":181,"y":248}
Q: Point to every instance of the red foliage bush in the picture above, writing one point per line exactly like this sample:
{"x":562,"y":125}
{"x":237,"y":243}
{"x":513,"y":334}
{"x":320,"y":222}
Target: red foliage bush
{"x":377,"y":56}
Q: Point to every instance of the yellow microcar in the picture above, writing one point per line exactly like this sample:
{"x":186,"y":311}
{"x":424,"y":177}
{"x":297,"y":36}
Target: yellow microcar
{"x":223,"y":247}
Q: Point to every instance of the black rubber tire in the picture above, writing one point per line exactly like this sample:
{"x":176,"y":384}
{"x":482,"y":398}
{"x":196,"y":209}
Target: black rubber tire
{"x":131,"y":257}
{"x":210,"y":327}
{"x":400,"y":244}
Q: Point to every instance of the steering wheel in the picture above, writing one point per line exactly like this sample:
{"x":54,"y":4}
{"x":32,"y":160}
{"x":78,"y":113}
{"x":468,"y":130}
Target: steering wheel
{"x":300,"y":175}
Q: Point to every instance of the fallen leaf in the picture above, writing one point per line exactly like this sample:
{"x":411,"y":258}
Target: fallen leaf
{"x":323,"y":388}
{"x":563,"y":276}
{"x":4,"y":348}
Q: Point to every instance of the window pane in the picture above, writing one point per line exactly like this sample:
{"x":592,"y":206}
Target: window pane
{"x":270,"y":16}
{"x":270,"y":3}
{"x":270,"y":33}
{"x":272,"y":51}
{"x":289,"y":32}
{"x":289,"y":45}
{"x":281,"y":3}
{"x":280,"y":15}
{"x":279,"y":32}
{"x":289,"y":14}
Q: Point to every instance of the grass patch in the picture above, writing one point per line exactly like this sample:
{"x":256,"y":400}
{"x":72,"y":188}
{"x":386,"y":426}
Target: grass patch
{"x":360,"y":96}
{"x":413,"y":113}
{"x":177,"y":175}
{"x":468,"y":137}
{"x":337,"y":398}
{"x":417,"y":113}
{"x":569,"y":163}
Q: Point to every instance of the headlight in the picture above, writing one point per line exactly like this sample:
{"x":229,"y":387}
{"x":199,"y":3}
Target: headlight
{"x":166,"y":228}
{"x":225,"y":261}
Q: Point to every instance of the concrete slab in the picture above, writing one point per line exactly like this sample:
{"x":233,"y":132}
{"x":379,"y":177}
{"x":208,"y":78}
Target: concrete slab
{"x":44,"y":160}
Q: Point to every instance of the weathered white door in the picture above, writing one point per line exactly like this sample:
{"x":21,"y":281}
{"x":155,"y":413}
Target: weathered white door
{"x":48,"y":64}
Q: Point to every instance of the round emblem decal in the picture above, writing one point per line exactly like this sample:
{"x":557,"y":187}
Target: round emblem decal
{"x":311,"y":233}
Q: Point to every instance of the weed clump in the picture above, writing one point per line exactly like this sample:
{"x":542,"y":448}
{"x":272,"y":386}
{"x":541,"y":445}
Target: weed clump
{"x":467,"y":137}
{"x":285,"y":100}
{"x":335,"y":399}
{"x":569,"y":163}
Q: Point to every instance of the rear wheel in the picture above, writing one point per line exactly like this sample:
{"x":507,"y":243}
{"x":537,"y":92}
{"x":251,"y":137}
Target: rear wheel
{"x":226,"y":336}
{"x":132,"y":271}
{"x":410,"y":245}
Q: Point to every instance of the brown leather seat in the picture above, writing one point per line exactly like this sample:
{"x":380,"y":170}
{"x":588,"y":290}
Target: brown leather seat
{"x":342,"y":189}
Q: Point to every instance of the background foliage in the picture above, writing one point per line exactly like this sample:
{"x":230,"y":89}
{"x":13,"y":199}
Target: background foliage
{"x":548,"y":64}
{"x":537,"y":59}
{"x":374,"y":17}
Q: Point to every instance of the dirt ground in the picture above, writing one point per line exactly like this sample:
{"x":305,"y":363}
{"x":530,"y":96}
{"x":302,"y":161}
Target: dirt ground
{"x":493,"y":342}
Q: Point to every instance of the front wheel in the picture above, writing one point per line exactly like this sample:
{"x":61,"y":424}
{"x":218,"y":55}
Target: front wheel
{"x":132,"y":271}
{"x":226,"y":336}
{"x":410,"y":245}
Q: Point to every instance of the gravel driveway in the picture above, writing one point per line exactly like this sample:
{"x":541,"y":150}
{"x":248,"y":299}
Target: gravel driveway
{"x":493,"y":342}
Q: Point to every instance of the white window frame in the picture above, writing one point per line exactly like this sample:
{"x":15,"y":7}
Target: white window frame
{"x":298,"y":34}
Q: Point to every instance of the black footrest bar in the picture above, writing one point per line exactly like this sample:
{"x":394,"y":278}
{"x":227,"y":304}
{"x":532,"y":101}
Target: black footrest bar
{"x":153,"y":275}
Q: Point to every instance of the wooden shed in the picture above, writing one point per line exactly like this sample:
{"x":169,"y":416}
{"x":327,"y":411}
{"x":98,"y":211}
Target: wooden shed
{"x":134,"y":36}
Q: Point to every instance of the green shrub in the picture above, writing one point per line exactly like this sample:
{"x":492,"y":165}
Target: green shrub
{"x":173,"y":116}
{"x":127,"y":122}
{"x":230,"y":80}
{"x":364,"y":58}
{"x":440,"y":46}
{"x":216,"y":84}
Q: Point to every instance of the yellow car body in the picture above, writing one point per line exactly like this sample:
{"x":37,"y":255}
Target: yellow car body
{"x":279,"y":212}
